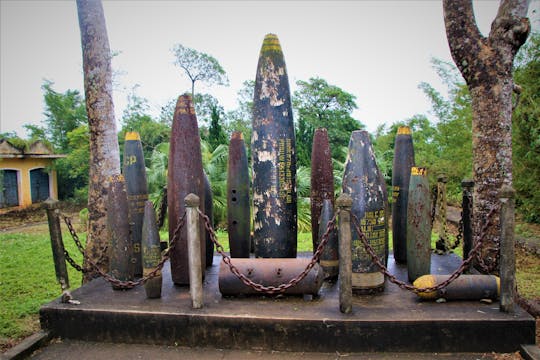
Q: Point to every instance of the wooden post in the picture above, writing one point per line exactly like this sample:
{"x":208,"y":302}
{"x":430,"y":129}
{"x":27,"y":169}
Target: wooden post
{"x":344,"y":204}
{"x":508,"y":256}
{"x":57,"y":244}
{"x":194,"y":250}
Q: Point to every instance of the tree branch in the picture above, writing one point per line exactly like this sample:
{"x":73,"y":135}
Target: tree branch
{"x":463,"y":34}
{"x":511,"y":26}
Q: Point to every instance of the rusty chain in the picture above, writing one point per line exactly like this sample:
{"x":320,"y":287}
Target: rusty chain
{"x":111,"y":279}
{"x":405,"y":286}
{"x":162,"y":208}
{"x":270,"y":290}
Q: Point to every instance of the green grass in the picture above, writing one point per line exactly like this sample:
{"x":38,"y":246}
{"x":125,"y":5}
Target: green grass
{"x":27,"y":281}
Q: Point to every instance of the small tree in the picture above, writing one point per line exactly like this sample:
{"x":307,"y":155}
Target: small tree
{"x":199,"y":66}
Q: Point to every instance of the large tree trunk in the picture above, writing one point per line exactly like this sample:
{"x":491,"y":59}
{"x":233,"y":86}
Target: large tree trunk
{"x":104,"y":151}
{"x":486,"y":65}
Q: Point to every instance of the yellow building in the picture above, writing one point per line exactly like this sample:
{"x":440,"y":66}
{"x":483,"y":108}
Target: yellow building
{"x":26,"y":175}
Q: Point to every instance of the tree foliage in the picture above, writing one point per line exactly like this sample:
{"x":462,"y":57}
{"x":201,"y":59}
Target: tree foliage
{"x":199,"y":66}
{"x":526,"y":130}
{"x":319,"y":104}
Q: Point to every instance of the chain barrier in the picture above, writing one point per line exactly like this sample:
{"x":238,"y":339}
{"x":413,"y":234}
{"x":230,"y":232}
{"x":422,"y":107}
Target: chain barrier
{"x":111,"y":279}
{"x":270,"y":290}
{"x":405,"y":286}
{"x":162,"y":208}
{"x":493,"y":263}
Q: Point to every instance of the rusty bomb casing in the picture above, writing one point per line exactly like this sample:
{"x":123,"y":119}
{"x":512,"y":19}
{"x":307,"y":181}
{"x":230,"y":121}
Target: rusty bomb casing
{"x":363,"y":182}
{"x":274,"y":157}
{"x":151,"y":251}
{"x":465,"y":287}
{"x":120,"y":245}
{"x":185,"y":176}
{"x":330,"y":256}
{"x":270,"y":272}
{"x":401,"y":173}
{"x":322,"y":180}
{"x":418,"y":224}
{"x":209,"y":211}
{"x":238,"y":216}
{"x":137,"y":193}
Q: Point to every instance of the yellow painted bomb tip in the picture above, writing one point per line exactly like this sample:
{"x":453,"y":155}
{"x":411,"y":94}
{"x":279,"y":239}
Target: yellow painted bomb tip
{"x":271,"y":43}
{"x":418,"y":171}
{"x":132,"y":135}
{"x":425,"y":281}
{"x":404,"y":130}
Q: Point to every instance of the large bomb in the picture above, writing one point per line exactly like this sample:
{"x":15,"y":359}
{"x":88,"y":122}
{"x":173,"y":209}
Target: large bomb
{"x":401,"y":173}
{"x":274,"y":156}
{"x":330,"y":256}
{"x":209,"y":211}
{"x":137,"y":193}
{"x":185,"y":176}
{"x":238,"y":217}
{"x":363,"y":182}
{"x":322,"y":180}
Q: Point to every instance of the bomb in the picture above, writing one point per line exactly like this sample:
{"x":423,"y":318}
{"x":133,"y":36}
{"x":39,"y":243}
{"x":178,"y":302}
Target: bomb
{"x":322,"y":180}
{"x":238,"y":221}
{"x":330,"y":256}
{"x":209,"y":211}
{"x":401,"y":173}
{"x":274,"y":157}
{"x":151,"y":251}
{"x":185,"y":176}
{"x":363,"y":182}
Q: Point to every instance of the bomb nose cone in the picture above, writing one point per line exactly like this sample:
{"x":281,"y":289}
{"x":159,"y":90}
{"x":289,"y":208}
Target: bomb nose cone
{"x":271,"y":44}
{"x":237,"y":135}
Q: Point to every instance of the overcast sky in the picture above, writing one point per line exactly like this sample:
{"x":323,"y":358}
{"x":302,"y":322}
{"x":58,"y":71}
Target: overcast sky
{"x":379,"y":51}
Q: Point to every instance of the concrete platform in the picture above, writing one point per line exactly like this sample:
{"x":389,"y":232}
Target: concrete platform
{"x":393,"y":321}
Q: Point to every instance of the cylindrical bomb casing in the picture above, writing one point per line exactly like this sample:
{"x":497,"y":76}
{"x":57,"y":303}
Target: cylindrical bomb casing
{"x":322,"y":180}
{"x":151,"y":251}
{"x":137,"y":193}
{"x":418,"y":224}
{"x":401,"y":173}
{"x":120,"y":246}
{"x":209,"y":211}
{"x":270,"y":272}
{"x":274,"y":157}
{"x":363,"y":182}
{"x":238,"y":216}
{"x":465,"y":287}
{"x":185,"y":176}
{"x":330,"y":256}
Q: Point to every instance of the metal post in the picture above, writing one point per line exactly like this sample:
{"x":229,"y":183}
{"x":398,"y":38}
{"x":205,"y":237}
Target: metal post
{"x":57,"y":244}
{"x":344,"y":204}
{"x":508,"y":258}
{"x":194,"y":250}
{"x":442,"y":244}
{"x":466,"y":216}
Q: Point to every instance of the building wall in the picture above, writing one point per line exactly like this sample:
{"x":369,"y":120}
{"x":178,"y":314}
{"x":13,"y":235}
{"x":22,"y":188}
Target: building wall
{"x":23,"y":166}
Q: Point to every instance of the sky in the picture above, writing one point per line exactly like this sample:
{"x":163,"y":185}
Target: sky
{"x":379,"y":51}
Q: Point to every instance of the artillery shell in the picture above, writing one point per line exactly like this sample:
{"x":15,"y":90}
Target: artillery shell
{"x":209,"y":211}
{"x":401,"y":173}
{"x":465,"y":287}
{"x":363,"y":182}
{"x":238,"y":221}
{"x":137,"y":193}
{"x":120,"y":246}
{"x":322,"y":180}
{"x":270,"y":272}
{"x":418,"y":225}
{"x":330,"y":256}
{"x":151,"y":251}
{"x":185,"y":176}
{"x":274,"y":157}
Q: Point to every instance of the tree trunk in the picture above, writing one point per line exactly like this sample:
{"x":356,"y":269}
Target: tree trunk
{"x":104,"y":150}
{"x":486,"y":65}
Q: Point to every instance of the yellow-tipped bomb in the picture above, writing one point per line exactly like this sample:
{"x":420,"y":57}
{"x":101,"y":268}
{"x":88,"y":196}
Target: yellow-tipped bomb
{"x":465,"y":287}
